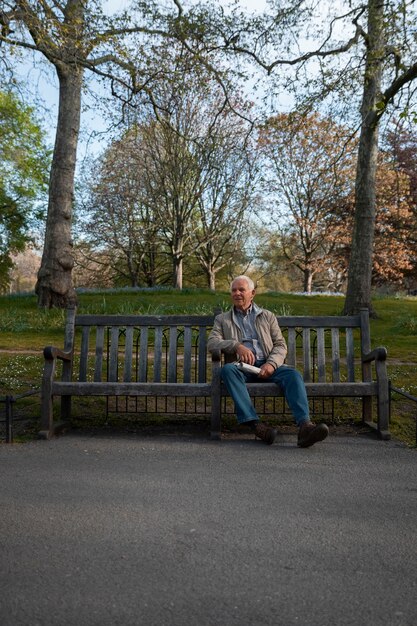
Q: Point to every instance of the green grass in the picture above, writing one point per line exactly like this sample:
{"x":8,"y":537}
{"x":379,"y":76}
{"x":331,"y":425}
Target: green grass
{"x":25,"y":331}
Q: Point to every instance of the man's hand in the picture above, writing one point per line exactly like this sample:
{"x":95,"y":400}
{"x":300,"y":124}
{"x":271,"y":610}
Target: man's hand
{"x":245,"y":354}
{"x":266,"y":370}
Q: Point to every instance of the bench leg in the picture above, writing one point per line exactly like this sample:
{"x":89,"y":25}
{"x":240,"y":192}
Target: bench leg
{"x":47,"y":410}
{"x":215,"y":422}
{"x":367,"y":410}
{"x":383,"y":412}
{"x":49,"y":428}
{"x":216,"y":412}
{"x":382,"y":423}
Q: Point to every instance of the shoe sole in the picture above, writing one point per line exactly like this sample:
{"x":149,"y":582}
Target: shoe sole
{"x":318,"y":434}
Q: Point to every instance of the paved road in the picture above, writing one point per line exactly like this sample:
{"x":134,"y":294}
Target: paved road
{"x":169,"y":530}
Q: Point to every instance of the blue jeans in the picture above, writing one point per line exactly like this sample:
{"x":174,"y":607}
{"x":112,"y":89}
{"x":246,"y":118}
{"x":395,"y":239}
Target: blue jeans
{"x":286,"y":377}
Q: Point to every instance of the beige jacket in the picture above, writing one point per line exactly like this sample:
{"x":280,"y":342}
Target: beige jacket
{"x":226,"y":336}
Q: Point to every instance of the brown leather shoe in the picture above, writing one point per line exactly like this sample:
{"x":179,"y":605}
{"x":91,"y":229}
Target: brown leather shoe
{"x":310,"y":434}
{"x":266,"y":433}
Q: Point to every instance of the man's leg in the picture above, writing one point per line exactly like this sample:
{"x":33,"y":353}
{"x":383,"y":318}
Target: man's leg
{"x":235,"y":382}
{"x":291,"y":381}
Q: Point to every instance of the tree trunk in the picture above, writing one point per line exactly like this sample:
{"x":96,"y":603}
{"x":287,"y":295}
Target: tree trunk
{"x":54,"y":286}
{"x":212,"y":279}
{"x":358,"y":293}
{"x":148,"y":265}
{"x":308,"y":280}
{"x":178,"y":272}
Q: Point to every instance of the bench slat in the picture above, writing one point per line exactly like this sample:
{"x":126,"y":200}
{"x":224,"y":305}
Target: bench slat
{"x":204,"y":389}
{"x":202,"y":352}
{"x":131,"y":389}
{"x":350,"y":356}
{"x":84,"y":353}
{"x":324,"y":321}
{"x":172,"y":354}
{"x":143,"y":355}
{"x":306,"y":355}
{"x":354,"y":390}
{"x":143,"y":320}
{"x":291,"y":354}
{"x":98,"y":364}
{"x":321,"y":355}
{"x":114,"y":353}
{"x":335,"y":355}
{"x":157,"y":355}
{"x":187,"y":353}
{"x":127,"y":370}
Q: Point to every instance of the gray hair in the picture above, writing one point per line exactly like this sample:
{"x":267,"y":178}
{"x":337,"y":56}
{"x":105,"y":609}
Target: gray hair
{"x":250,"y":282}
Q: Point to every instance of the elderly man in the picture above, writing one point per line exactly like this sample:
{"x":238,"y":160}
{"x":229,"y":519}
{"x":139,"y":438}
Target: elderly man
{"x":252,"y":336}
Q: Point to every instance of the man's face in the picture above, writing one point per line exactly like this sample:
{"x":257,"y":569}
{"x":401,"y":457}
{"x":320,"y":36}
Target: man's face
{"x":242,"y":296}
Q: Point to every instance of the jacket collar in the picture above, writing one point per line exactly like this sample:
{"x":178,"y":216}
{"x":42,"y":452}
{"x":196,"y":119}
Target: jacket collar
{"x":256,"y":309}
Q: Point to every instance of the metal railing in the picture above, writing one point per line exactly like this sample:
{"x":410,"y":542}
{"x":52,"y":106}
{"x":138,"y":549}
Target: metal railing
{"x":407,"y":395}
{"x":9,"y":418}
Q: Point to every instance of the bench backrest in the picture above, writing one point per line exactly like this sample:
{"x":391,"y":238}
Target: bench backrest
{"x":142,"y":348}
{"x":328,"y":348}
{"x":173,"y":348}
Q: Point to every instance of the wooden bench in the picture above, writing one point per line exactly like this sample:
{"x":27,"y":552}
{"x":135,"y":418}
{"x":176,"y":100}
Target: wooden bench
{"x":126,"y":355}
{"x":138,"y":356}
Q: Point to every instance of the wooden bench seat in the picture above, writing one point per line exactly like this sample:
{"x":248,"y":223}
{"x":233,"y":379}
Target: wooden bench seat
{"x":166,"y":357}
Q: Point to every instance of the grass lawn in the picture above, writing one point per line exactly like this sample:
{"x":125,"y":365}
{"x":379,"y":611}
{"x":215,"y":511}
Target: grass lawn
{"x":25,"y":330}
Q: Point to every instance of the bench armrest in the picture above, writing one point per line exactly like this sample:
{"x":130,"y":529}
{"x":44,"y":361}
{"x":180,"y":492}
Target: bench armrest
{"x":50,"y":353}
{"x":379,"y":354}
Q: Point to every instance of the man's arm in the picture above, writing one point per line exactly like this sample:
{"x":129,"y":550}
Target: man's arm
{"x":278,"y":353}
{"x":218,"y":341}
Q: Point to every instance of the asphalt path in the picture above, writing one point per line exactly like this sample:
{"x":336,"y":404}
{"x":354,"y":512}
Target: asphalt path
{"x":170,"y":530}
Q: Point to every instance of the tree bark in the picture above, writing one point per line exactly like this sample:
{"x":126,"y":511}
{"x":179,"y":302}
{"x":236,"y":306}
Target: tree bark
{"x":212,"y":279}
{"x":308,"y":280}
{"x":54,"y":285}
{"x":358,"y":293}
{"x":178,"y":266}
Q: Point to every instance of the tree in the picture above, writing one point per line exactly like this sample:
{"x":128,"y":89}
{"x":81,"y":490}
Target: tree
{"x":401,"y":141}
{"x":221,"y":229}
{"x":376,"y":42}
{"x":393,"y":250}
{"x":402,"y":145}
{"x":198,"y":169}
{"x":360,"y":265}
{"x":309,"y":175}
{"x":117,"y":223}
{"x":272,"y":267}
{"x":74,"y":37}
{"x":24,"y":271}
{"x":64,"y":35}
{"x":177,"y":185}
{"x":23,"y":179}
{"x":228,"y":197}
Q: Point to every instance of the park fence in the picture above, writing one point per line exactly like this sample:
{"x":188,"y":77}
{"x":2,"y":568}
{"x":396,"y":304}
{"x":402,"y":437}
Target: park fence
{"x":8,"y":416}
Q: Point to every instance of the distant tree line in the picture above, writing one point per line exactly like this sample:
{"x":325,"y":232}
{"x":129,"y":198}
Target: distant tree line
{"x":328,"y":193}
{"x":161,"y":207}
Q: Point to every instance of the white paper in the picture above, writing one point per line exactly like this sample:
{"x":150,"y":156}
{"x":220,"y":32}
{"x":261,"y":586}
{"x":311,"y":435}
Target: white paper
{"x":249,"y":369}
